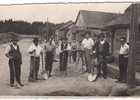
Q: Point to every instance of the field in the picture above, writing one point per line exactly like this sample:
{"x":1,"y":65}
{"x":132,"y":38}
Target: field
{"x":74,"y":84}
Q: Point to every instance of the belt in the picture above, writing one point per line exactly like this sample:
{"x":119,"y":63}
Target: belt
{"x":122,"y":54}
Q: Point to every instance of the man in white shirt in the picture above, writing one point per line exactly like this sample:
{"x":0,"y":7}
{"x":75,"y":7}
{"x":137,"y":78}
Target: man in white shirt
{"x":15,"y":60}
{"x":88,"y":44}
{"x":35,"y":51}
{"x":123,"y":60}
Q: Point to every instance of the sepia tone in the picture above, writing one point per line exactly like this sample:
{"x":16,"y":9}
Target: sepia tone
{"x":58,"y":28}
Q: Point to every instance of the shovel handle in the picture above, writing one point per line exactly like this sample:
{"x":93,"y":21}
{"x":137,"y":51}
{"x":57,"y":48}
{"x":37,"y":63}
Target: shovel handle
{"x":34,"y":68}
{"x":15,"y":74}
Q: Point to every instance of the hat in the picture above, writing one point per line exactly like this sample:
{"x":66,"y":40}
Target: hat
{"x":15,"y":39}
{"x":122,"y":39}
{"x":64,"y":38}
{"x":87,"y":32}
{"x":102,"y":35}
{"x":35,"y":40}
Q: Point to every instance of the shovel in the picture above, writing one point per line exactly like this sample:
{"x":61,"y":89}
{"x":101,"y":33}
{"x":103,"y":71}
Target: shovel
{"x":34,"y":68}
{"x":17,"y":84}
{"x":45,"y":76}
{"x":93,"y":75}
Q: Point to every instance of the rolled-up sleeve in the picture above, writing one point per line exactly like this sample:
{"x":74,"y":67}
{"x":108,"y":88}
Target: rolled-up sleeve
{"x":7,"y":50}
{"x":59,"y":48}
{"x":30,"y":49}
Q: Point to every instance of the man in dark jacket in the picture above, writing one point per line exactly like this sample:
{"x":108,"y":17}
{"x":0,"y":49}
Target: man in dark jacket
{"x":102,"y":51}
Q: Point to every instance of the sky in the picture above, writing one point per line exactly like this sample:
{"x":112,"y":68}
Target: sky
{"x":56,"y":13}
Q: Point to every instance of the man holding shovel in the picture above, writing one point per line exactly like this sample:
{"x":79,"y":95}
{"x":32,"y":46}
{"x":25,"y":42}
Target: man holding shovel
{"x":49,"y":49}
{"x":15,"y":61}
{"x":63,"y":49}
{"x":35,"y":51}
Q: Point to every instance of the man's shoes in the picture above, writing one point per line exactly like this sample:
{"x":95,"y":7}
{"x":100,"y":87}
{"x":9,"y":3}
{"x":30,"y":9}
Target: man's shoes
{"x":84,"y":71}
{"x":11,"y":85}
{"x":105,"y":77}
{"x":122,"y":81}
{"x":21,"y":84}
{"x":117,"y":81}
{"x":30,"y":80}
{"x":50,"y":75}
{"x":55,"y":60}
{"x":36,"y":79}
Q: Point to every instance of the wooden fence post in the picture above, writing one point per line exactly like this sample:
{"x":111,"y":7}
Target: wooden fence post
{"x":133,"y":46}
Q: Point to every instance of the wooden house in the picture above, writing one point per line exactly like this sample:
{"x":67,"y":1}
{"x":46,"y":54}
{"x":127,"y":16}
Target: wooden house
{"x":120,"y":27}
{"x":62,"y":30}
{"x":91,"y":20}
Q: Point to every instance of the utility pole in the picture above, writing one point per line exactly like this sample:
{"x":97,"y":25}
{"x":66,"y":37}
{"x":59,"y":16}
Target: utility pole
{"x":47,"y":28}
{"x":133,"y":37}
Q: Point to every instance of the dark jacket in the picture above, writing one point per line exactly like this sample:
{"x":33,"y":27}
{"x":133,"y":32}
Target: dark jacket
{"x":15,"y":53}
{"x":105,"y":48}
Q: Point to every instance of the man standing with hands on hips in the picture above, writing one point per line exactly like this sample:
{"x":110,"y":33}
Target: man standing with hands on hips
{"x":88,"y":44}
{"x":34,"y":50}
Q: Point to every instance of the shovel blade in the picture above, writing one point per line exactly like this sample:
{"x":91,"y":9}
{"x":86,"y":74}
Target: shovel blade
{"x":92,"y":77}
{"x":45,"y":76}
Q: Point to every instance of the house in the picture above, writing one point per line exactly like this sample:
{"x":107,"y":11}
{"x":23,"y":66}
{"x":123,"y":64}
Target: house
{"x":120,"y":27}
{"x":62,"y":30}
{"x":92,"y":21}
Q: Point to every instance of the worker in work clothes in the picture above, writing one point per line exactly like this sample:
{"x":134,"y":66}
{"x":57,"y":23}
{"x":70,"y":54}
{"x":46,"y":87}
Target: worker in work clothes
{"x":49,"y":50}
{"x":35,"y":51}
{"x":15,"y":61}
{"x":102,"y":52}
{"x":88,"y":44}
{"x":63,"y":49}
{"x":80,"y":50}
{"x":70,"y":52}
{"x":123,"y":60}
{"x":74,"y":51}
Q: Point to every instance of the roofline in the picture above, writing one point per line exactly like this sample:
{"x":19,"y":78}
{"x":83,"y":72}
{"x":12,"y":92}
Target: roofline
{"x":67,"y":27}
{"x":116,"y":26}
{"x":77,"y":17}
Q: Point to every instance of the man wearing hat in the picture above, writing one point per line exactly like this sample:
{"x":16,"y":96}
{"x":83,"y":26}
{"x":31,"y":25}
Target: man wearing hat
{"x":63,"y":49}
{"x":102,"y":51}
{"x":123,"y":60}
{"x":35,"y":51}
{"x":88,"y":43}
{"x":15,"y":60}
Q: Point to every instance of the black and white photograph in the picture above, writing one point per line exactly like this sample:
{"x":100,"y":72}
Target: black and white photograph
{"x":70,"y":49}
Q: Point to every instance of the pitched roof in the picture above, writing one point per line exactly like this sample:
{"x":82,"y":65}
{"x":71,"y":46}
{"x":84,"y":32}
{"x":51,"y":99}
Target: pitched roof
{"x":66,"y":25}
{"x":123,"y":20}
{"x":58,"y":26}
{"x":96,"y":19}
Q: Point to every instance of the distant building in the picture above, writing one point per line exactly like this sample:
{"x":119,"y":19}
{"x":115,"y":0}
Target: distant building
{"x":120,"y":27}
{"x":91,"y":20}
{"x":62,"y":30}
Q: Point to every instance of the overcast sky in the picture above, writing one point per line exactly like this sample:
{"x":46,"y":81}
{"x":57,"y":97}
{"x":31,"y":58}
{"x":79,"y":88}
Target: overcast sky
{"x":56,"y":13}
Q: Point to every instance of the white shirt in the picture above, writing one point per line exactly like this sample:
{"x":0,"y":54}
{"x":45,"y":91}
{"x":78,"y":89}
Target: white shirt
{"x":8,"y":49}
{"x":87,"y":43}
{"x":124,"y":49}
{"x":102,"y":42}
{"x":53,"y":42}
{"x":37,"y":48}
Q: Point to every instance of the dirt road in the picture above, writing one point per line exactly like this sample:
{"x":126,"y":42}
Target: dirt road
{"x":74,"y":84}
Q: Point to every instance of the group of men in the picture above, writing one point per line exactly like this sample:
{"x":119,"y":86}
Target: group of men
{"x":86,"y":49}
